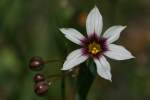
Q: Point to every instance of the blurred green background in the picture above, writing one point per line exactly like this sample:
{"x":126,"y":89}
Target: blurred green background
{"x":31,"y":27}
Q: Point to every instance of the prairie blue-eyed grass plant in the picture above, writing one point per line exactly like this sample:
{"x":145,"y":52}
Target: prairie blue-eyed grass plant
{"x":96,"y":46}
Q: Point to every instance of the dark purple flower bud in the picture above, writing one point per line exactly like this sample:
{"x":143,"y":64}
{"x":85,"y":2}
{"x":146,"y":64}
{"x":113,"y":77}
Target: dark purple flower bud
{"x":36,"y":63}
{"x":41,"y":88}
{"x":39,"y":77}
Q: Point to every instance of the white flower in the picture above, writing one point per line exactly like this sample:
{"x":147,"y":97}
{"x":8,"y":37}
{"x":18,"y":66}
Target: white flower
{"x":95,"y":45}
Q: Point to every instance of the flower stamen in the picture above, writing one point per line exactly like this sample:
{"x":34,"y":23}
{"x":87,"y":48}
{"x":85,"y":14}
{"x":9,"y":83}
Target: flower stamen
{"x":94,"y":48}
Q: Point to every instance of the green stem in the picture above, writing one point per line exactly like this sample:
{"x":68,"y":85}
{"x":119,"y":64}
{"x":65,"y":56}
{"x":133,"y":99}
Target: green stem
{"x":85,"y":79}
{"x":53,"y":60}
{"x":63,"y":87}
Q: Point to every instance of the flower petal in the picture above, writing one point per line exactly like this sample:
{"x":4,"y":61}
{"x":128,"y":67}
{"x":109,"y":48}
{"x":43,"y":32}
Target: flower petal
{"x":94,"y":22}
{"x":75,"y":53}
{"x":103,"y":68}
{"x":118,"y":52}
{"x":73,"y":35}
{"x":74,"y":58}
{"x":113,"y":33}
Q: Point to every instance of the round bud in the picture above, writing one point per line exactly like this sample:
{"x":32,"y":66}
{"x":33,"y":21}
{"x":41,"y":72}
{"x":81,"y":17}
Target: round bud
{"x":39,"y":77}
{"x":41,"y":88}
{"x":36,"y":63}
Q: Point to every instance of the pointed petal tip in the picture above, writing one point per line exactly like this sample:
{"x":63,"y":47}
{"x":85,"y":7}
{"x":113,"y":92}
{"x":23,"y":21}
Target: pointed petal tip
{"x":109,"y":79}
{"x":63,"y":69}
{"x":61,"y":29}
{"x":123,"y":27}
{"x":132,"y":57}
{"x":95,"y":7}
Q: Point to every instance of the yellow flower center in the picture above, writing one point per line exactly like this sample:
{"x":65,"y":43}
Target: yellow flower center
{"x":94,"y":48}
